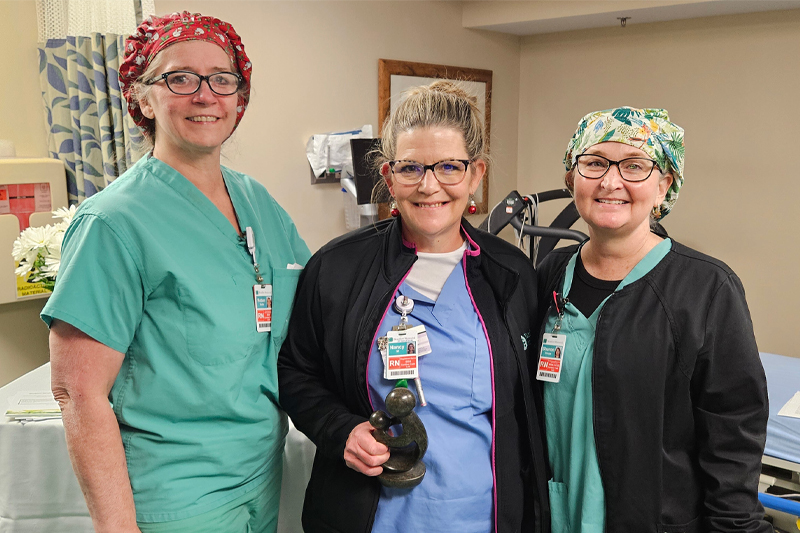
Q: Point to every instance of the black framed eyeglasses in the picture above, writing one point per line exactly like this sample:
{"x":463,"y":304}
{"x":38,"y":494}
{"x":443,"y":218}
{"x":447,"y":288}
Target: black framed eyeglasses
{"x":184,"y":82}
{"x":448,"y":171}
{"x":631,"y":169}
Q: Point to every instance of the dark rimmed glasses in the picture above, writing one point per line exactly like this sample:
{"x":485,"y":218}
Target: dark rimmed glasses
{"x":631,"y":169}
{"x":448,"y":171}
{"x":184,"y":82}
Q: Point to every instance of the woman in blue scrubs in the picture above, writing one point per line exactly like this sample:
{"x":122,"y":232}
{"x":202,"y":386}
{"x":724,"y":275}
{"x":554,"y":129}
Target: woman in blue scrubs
{"x":175,"y":288}
{"x":656,"y":417}
{"x":475,"y":296}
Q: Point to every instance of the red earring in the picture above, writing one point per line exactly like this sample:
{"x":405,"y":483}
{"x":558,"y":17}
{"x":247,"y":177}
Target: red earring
{"x":472,"y":209}
{"x":393,"y":208}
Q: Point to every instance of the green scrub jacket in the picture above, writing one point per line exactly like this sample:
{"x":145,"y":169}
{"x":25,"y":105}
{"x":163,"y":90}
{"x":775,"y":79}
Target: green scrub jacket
{"x":151,"y":268}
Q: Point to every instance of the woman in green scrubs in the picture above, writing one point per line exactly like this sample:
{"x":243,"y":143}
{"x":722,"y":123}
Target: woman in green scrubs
{"x":175,"y":288}
{"x":656,"y":410}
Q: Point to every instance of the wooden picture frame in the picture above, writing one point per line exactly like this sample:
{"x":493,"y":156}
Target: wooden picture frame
{"x":474,"y":79}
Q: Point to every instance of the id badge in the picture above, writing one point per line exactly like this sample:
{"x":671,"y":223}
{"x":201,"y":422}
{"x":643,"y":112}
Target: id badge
{"x":551,"y":357}
{"x":423,"y":344}
{"x":262,"y":295}
{"x":401,"y":355}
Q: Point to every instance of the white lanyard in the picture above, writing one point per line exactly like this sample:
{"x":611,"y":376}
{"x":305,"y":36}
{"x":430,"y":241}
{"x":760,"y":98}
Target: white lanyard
{"x":262,"y":294}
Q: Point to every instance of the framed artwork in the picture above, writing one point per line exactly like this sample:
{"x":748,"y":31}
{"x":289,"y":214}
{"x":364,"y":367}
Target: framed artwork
{"x":395,"y":77}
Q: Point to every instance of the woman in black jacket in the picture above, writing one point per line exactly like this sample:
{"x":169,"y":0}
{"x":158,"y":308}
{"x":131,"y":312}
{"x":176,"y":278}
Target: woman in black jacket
{"x":476,"y":297}
{"x":656,"y":412}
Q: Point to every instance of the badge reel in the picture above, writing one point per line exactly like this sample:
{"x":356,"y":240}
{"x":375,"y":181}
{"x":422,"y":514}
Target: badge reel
{"x":552,"y":352}
{"x":402,"y":346}
{"x":262,"y":293}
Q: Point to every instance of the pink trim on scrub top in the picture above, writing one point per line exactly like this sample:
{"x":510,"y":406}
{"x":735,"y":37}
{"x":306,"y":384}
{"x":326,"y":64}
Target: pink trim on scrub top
{"x":475,"y":252}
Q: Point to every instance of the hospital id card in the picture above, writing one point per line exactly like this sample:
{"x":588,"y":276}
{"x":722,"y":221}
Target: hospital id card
{"x":401,"y":360}
{"x":551,"y":357}
{"x":262,"y":296}
{"x":423,"y":344}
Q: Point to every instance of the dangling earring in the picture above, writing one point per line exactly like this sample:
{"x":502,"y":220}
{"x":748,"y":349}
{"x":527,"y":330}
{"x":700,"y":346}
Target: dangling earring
{"x":657,"y":212}
{"x":472,"y":209}
{"x":393,"y":208}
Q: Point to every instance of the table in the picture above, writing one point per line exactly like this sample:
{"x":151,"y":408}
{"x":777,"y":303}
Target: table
{"x":39,"y":492}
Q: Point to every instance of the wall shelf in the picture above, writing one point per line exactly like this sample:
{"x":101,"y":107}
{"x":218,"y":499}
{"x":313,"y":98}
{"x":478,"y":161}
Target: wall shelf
{"x":17,"y":171}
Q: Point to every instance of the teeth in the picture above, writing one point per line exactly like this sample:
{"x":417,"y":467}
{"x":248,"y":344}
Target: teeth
{"x":426,"y":206}
{"x":602,"y":201}
{"x":203,"y":119}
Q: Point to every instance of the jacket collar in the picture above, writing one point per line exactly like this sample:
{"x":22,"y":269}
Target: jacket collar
{"x":501,"y":278}
{"x":399,"y":255}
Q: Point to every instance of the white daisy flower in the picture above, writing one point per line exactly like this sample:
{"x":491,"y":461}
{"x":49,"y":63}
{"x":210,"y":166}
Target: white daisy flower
{"x":38,"y":249}
{"x":51,"y":264}
{"x":65,"y":213}
{"x":37,"y":238}
{"x":24,"y":270}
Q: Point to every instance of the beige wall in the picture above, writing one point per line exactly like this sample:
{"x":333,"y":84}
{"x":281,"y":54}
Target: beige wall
{"x":20,"y":97}
{"x":23,"y":337}
{"x":315,"y":69}
{"x":731,"y":82}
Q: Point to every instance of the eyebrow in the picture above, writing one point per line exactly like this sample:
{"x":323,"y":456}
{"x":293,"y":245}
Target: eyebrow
{"x":626,"y":153}
{"x":191,"y":69}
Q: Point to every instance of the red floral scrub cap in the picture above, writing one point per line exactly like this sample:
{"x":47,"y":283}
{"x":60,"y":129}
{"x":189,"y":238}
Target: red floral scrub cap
{"x":156,"y":33}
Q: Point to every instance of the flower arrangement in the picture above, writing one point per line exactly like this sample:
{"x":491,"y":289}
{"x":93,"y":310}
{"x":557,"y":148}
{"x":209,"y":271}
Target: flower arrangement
{"x":38,"y":249}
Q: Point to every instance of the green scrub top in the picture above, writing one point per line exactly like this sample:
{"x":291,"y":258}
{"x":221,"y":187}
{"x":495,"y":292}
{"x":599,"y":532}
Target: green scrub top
{"x":151,"y":268}
{"x":577,"y":499}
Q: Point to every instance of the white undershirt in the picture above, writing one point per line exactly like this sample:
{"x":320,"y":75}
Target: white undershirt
{"x":431,"y":270}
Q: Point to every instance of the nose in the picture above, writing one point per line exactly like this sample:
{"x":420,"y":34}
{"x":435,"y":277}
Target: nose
{"x":204,"y":92}
{"x":428,"y":184}
{"x":613,"y":177}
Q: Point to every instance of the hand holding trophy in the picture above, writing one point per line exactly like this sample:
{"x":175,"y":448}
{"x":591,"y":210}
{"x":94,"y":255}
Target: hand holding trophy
{"x":404,"y":469}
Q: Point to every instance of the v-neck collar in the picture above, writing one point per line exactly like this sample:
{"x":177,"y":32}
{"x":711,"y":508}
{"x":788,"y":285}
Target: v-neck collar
{"x":442,"y":308}
{"x":189,"y":191}
{"x":645,"y":265}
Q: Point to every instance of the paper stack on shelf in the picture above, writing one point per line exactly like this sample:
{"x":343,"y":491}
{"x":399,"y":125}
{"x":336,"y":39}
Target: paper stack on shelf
{"x":29,"y":406}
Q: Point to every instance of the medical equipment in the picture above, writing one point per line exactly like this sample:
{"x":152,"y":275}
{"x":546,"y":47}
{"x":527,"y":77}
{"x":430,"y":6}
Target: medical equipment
{"x":522,"y":213}
{"x":779,"y":486}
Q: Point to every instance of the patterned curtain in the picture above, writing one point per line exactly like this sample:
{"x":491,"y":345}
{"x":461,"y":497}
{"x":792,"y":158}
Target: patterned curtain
{"x":87,"y":120}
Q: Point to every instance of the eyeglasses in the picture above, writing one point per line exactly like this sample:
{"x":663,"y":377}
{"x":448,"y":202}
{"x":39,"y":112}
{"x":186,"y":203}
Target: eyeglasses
{"x":184,"y":82}
{"x":631,"y":169}
{"x":448,"y":172}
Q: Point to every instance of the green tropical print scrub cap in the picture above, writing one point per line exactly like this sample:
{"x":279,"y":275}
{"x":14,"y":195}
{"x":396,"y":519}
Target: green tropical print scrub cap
{"x":649,"y":130}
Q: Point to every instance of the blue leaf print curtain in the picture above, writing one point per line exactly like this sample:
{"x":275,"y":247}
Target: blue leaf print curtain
{"x":89,"y":128}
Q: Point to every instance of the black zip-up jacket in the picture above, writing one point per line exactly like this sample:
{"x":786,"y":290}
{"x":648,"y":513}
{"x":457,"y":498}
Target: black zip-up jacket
{"x":679,"y":398}
{"x":342,"y":295}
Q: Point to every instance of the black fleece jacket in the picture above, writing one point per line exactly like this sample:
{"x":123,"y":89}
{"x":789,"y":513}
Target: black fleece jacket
{"x":679,"y":398}
{"x":343,"y":293}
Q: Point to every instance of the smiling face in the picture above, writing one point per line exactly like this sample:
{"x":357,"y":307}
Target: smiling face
{"x":431,"y":212}
{"x":197,"y":123}
{"x":612,"y":206}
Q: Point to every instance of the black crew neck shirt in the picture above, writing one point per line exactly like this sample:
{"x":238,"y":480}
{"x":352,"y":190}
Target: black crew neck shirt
{"x":587,"y":292}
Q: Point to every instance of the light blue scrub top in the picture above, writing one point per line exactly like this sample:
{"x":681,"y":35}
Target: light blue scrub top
{"x":151,"y":268}
{"x":577,"y":499}
{"x":456,"y":493}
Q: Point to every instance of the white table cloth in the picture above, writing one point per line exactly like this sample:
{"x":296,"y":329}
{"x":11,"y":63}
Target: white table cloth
{"x":40,"y":494}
